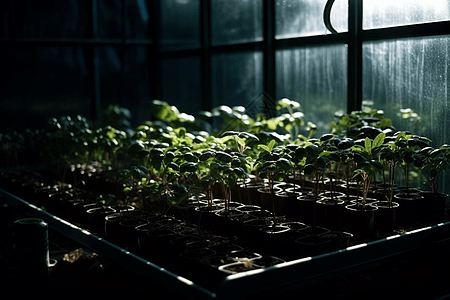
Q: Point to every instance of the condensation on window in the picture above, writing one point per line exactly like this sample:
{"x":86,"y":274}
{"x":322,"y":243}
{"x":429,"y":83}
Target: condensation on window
{"x":389,"y":13}
{"x":408,"y":79}
{"x":237,"y":79}
{"x":179,"y":25}
{"x":182,"y":86}
{"x":316,"y":77}
{"x":236,"y":21}
{"x":298,"y":18}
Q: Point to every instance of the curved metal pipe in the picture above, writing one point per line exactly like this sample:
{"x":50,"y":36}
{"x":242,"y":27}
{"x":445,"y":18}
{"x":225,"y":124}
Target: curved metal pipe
{"x":327,"y":15}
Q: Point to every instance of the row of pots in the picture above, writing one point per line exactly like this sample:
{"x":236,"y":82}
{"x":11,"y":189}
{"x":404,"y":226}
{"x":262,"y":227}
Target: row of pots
{"x":410,"y":206}
{"x":255,"y":227}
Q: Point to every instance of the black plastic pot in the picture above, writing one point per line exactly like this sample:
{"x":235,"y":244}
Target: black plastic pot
{"x":290,"y":204}
{"x":339,"y":239}
{"x":249,"y":194}
{"x":248,"y":208}
{"x":97,"y":219}
{"x":207,"y":214}
{"x":312,"y":245}
{"x":433,"y":205}
{"x":361,"y":220}
{"x":307,"y":211}
{"x":31,"y":243}
{"x":268,"y":201}
{"x":261,"y":214}
{"x":267,"y":241}
{"x":155,"y":245}
{"x":410,"y":210}
{"x":386,"y":217}
{"x":230,"y":221}
{"x":329,"y":212}
{"x":127,"y":233}
{"x":251,"y":234}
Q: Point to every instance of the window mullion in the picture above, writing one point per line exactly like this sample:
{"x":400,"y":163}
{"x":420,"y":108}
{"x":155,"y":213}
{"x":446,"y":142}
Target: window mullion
{"x":205,"y":35}
{"x":354,"y":82}
{"x":269,"y":67}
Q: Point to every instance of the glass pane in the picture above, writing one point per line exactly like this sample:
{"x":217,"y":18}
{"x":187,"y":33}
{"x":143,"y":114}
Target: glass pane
{"x":137,"y":17}
{"x":237,"y":79}
{"x":316,"y":77}
{"x":42,"y":82}
{"x":110,"y":68}
{"x":46,"y":19}
{"x":109,"y":19}
{"x":388,"y":13}
{"x":180,"y":24}
{"x":137,"y":84}
{"x":236,"y":21}
{"x":182,"y":84}
{"x":409,"y":80}
{"x":296,"y":18}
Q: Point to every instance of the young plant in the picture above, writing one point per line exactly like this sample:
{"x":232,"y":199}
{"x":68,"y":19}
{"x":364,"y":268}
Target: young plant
{"x":132,"y":179}
{"x":367,"y":159}
{"x":273,"y":166}
{"x":293,"y":119}
{"x":434,"y":161}
{"x":227,"y":169}
{"x":317,"y":158}
{"x":297,"y":155}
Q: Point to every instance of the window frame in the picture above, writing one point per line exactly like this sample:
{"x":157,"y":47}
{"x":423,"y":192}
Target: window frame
{"x":353,"y":38}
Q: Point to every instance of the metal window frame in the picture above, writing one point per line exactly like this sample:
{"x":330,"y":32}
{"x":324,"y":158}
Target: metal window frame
{"x":354,"y":39}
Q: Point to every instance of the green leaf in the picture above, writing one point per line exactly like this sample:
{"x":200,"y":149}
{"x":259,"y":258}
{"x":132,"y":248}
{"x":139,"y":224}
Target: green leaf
{"x":144,"y":169}
{"x":326,"y":137}
{"x":435,"y":153}
{"x":156,"y":152}
{"x":226,"y":138}
{"x":386,"y":122}
{"x":156,"y":160}
{"x":263,"y":147}
{"x":377,"y":164}
{"x":271,"y":144}
{"x":283,"y":103}
{"x":299,"y":153}
{"x":248,"y":136}
{"x":163,"y":111}
{"x":190,"y":157}
{"x":368,"y":145}
{"x":378,"y":140}
{"x":312,"y":150}
{"x":309,"y":169}
{"x":283,"y":164}
{"x":325,"y":153}
{"x":322,"y":161}
{"x":188,"y":167}
{"x":137,"y":173}
{"x":223,"y":156}
{"x":168,"y":157}
{"x":228,"y":133}
{"x":206,"y":155}
{"x":173,"y":166}
{"x":240,"y":172}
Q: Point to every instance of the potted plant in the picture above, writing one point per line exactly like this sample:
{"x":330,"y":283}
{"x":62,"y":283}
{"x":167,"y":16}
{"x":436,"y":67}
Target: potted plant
{"x":366,"y":155}
{"x":434,"y":161}
{"x":271,"y":165}
{"x":329,"y":207}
